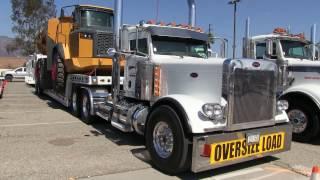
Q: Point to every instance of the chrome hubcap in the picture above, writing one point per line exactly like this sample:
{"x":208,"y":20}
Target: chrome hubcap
{"x":85,"y":106}
{"x":298,"y":119}
{"x":74,"y":102}
{"x":163,"y":139}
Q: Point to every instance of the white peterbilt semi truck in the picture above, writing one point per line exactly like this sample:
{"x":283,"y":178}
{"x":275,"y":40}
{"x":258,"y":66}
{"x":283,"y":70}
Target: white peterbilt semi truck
{"x":300,"y":57}
{"x":195,"y":112}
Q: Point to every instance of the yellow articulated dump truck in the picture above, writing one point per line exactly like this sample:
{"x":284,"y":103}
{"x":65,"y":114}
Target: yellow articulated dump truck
{"x":77,"y":72}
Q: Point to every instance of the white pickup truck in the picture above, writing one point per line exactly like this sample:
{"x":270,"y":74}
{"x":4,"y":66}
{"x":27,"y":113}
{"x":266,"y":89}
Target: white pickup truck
{"x":18,"y":73}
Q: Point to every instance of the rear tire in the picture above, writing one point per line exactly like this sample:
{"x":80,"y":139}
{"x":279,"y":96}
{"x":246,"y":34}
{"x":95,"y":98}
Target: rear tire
{"x":75,"y":103}
{"x":9,"y":77}
{"x":86,"y":116}
{"x":166,"y":141}
{"x":305,"y":120}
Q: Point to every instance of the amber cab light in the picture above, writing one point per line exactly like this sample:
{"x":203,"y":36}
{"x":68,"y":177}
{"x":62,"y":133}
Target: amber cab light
{"x":156,"y":81}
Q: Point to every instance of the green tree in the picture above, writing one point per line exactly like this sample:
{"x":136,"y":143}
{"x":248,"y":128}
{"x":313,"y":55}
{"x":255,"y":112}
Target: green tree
{"x":29,"y":19}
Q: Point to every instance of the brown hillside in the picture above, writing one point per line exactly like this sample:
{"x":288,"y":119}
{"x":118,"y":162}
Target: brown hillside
{"x":11,"y":62}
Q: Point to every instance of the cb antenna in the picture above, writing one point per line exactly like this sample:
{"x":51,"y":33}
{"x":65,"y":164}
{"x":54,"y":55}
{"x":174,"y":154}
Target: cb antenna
{"x":157,"y":10}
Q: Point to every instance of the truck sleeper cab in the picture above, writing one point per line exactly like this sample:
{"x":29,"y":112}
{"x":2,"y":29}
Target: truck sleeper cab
{"x":302,"y":91}
{"x":191,"y":108}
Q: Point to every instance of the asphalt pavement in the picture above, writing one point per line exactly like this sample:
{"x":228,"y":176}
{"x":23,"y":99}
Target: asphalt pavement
{"x":40,"y":139}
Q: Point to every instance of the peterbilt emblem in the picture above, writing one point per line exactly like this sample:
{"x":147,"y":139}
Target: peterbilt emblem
{"x":194,"y":75}
{"x":256,"y":64}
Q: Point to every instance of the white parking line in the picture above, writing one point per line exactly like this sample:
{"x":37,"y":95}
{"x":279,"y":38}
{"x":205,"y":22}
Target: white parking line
{"x":38,"y":124}
{"x":14,"y":112}
{"x":235,"y":174}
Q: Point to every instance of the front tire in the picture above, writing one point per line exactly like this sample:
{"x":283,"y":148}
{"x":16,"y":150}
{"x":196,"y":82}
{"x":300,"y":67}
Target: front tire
{"x":86,"y":116}
{"x":305,"y":121}
{"x":166,"y":141}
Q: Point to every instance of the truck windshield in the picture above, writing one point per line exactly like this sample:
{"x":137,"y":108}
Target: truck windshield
{"x":295,"y":49}
{"x":180,"y":47}
{"x":96,"y":19}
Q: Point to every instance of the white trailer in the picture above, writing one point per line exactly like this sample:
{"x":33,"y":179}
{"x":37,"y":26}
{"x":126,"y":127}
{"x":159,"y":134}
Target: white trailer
{"x":303,"y":94}
{"x":30,"y":68}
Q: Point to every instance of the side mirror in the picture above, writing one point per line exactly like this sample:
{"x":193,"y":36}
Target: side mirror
{"x":111,"y":52}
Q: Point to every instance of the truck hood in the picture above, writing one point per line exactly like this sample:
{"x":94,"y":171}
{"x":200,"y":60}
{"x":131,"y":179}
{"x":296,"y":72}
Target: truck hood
{"x":302,"y":62}
{"x":196,"y":77}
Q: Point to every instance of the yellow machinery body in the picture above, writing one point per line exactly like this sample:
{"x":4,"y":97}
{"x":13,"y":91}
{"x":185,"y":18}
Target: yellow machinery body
{"x":82,"y":48}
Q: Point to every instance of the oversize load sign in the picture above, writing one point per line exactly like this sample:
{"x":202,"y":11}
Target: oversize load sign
{"x":236,"y":149}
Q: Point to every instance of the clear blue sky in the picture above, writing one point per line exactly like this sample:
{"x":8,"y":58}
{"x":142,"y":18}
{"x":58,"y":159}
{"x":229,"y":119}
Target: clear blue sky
{"x":265,"y":14}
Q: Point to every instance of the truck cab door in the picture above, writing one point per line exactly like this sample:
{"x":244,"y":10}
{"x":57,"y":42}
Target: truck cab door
{"x":131,"y":69}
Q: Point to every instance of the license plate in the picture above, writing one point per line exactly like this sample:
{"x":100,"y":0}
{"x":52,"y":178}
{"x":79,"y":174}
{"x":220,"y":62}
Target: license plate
{"x":239,"y":148}
{"x":253,"y":138}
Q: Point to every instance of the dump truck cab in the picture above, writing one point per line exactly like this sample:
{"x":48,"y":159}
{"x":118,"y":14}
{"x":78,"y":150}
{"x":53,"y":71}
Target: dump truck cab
{"x":81,"y":38}
{"x":77,"y":43}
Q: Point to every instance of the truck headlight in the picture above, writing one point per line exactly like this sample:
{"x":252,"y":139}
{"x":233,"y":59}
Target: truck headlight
{"x":282,"y":105}
{"x":213,"y":111}
{"x":84,"y":35}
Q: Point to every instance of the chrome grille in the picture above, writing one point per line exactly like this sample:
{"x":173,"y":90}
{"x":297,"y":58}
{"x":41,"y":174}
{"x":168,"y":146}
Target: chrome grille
{"x":254,"y":96}
{"x":103,"y":42}
{"x":249,"y":86}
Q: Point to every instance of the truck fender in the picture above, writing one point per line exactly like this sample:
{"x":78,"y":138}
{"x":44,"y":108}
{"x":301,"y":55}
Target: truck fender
{"x":91,"y":99}
{"x":188,"y":108}
{"x":63,"y":50}
{"x":309,"y":91}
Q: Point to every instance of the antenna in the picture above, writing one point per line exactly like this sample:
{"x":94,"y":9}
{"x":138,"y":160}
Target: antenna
{"x":157,"y":10}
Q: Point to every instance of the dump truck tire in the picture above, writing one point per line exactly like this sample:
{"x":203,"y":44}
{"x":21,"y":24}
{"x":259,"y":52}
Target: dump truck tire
{"x":59,"y":73}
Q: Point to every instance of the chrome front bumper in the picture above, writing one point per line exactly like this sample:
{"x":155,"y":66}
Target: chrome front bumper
{"x":202,"y":162}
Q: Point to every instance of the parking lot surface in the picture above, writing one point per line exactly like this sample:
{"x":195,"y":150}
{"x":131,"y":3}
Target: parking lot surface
{"x":40,"y":139}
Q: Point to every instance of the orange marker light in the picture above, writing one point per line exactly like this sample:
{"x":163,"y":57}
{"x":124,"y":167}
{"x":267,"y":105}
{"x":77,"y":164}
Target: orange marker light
{"x":156,"y":81}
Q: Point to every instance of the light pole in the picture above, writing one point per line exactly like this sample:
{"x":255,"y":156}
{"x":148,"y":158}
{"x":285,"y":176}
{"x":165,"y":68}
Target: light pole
{"x":234,"y":3}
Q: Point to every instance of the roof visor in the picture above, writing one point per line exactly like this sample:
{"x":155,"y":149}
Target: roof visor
{"x":178,"y":33}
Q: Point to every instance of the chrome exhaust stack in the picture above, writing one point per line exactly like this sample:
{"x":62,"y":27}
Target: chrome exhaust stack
{"x":116,"y":57}
{"x":246,"y":43}
{"x":313,"y":41}
{"x":192,"y":12}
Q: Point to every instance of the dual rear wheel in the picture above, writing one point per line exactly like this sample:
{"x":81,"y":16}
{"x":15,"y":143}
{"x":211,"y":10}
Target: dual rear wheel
{"x":81,"y":106}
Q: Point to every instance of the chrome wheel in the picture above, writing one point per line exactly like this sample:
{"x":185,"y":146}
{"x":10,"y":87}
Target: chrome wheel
{"x":85,"y":106}
{"x":299,"y":120}
{"x":163,"y":139}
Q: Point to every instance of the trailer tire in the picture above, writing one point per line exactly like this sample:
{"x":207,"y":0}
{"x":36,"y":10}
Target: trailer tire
{"x":86,"y":117}
{"x":38,"y":89}
{"x":305,"y":120}
{"x":164,"y":126}
{"x":75,"y":103}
